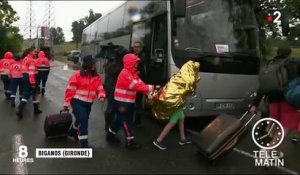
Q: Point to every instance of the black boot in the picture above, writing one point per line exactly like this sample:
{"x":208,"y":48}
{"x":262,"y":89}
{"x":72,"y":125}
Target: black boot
{"x":36,"y":108}
{"x":73,"y":133}
{"x":111,"y":138}
{"x":20,"y":109}
{"x":43,"y":91}
{"x":12,"y":102}
{"x":109,"y":118}
{"x":7,"y":95}
{"x":84,"y":143}
{"x":132,"y":145}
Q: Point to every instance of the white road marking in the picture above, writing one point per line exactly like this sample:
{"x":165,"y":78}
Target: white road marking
{"x":19,"y":167}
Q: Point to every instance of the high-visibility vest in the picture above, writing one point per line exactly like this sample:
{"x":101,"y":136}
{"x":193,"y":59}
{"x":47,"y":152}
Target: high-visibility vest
{"x":84,"y":87}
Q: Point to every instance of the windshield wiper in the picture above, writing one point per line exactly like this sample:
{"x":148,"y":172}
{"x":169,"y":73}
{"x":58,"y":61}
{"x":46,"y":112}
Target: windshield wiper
{"x":200,"y":53}
{"x":212,"y":54}
{"x":242,"y":54}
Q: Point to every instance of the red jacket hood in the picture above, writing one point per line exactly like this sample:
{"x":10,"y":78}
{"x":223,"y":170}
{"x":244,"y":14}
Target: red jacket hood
{"x":41,"y":54}
{"x":8,"y":55}
{"x":129,"y":60}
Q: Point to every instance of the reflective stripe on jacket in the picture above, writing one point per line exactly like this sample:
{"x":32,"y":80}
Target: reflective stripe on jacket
{"x":128,"y":83}
{"x":83,"y":87}
{"x":43,"y":63}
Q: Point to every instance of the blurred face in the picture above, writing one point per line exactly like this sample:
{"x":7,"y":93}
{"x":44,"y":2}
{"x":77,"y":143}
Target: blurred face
{"x":136,"y":65}
{"x":93,"y":68}
{"x":137,"y":48}
{"x":34,"y":53}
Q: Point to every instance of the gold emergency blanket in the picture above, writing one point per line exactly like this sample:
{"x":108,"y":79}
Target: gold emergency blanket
{"x":172,"y":96}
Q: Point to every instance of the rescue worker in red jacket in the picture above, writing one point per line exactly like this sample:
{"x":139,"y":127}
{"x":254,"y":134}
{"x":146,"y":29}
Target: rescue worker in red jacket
{"x":128,"y":84}
{"x":4,"y":70}
{"x":29,"y":69}
{"x":83,"y":87}
{"x":16,"y":76}
{"x":43,"y":65}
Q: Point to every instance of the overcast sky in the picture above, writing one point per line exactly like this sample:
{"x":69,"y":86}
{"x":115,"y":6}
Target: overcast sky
{"x":64,"y":13}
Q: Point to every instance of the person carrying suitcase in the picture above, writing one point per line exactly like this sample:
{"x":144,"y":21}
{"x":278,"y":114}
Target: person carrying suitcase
{"x":83,"y":87}
{"x":279,"y":109}
{"x":4,"y":70}
{"x":43,"y":65}
{"x":16,"y":76}
{"x":29,"y":70}
{"x":128,"y":84}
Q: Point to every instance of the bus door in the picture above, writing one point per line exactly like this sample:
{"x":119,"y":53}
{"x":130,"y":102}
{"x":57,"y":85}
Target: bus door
{"x":157,"y":67}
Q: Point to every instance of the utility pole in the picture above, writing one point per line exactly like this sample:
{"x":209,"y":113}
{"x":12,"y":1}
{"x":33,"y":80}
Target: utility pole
{"x":30,"y":24}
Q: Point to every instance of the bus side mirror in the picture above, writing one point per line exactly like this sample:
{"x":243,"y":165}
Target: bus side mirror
{"x":179,"y":8}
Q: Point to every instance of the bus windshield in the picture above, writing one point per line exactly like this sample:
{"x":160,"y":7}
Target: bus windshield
{"x":217,"y":31}
{"x":216,"y":26}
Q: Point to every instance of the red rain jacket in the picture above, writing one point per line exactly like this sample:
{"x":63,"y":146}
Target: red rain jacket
{"x":83,"y":87}
{"x":128,"y":83}
{"x":5,"y":63}
{"x":43,"y":63}
{"x":29,"y":67}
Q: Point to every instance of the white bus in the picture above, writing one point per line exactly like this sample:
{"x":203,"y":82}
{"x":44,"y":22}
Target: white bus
{"x":220,"y":34}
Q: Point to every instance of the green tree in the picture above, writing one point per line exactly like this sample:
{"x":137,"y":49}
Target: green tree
{"x":269,"y":31}
{"x":91,"y":18}
{"x":77,"y":28}
{"x":10,"y":39}
{"x":57,"y":35}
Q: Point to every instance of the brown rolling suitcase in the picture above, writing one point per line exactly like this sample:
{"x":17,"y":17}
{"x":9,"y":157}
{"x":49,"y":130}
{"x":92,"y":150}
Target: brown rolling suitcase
{"x":57,"y":124}
{"x":221,"y":135}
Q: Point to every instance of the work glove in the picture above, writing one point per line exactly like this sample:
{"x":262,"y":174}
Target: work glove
{"x":66,"y":108}
{"x":102,"y":99}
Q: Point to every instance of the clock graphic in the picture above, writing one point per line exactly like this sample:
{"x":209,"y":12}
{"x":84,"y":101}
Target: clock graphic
{"x":267,"y":133}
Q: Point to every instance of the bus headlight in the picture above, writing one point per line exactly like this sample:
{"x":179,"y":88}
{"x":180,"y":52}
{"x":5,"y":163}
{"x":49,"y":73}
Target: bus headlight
{"x":194,"y":95}
{"x":191,"y":106}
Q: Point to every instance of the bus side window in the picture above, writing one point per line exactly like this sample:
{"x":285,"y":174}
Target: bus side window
{"x":159,"y":39}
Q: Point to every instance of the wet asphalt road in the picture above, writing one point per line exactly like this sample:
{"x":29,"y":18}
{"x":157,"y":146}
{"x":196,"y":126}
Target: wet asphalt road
{"x":116,"y":159}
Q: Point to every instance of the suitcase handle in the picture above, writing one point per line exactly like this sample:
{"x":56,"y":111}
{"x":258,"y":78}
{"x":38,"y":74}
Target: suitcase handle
{"x":63,"y":110}
{"x":249,"y":119}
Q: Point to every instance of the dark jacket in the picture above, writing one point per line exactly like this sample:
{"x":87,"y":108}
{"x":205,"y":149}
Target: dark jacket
{"x":112,"y":71}
{"x":142,"y":65}
{"x":293,"y":71}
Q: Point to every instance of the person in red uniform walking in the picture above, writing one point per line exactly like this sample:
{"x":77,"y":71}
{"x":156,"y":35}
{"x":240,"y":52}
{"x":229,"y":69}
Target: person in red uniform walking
{"x":16,"y":76}
{"x":128,"y":84}
{"x":29,"y":69}
{"x":43,"y":65}
{"x":83,"y":87}
{"x":4,"y":70}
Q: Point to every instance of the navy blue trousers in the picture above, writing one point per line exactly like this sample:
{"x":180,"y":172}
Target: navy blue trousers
{"x":81,"y":111}
{"x":6,"y":84}
{"x":42,"y":79}
{"x":124,"y":120}
{"x":15,"y":84}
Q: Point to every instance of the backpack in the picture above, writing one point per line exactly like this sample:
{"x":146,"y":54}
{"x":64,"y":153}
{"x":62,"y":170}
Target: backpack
{"x":292,"y":93}
{"x":274,"y":76}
